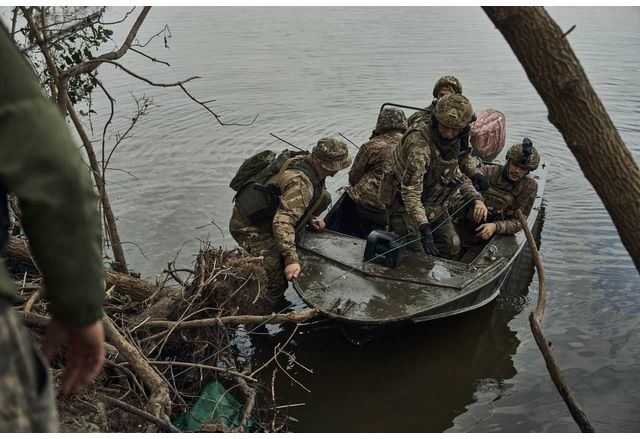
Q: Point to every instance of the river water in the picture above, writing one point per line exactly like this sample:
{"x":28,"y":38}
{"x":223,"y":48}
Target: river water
{"x":311,"y":72}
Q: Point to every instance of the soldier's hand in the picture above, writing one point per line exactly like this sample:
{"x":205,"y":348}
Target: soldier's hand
{"x":84,"y":352}
{"x":427,"y":240}
{"x":480,"y":212}
{"x":292,"y":271}
{"x":480,"y":182}
{"x":317,"y":223}
{"x":486,"y":231}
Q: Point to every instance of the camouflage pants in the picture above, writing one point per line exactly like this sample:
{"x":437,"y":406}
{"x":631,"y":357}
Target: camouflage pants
{"x":259,"y":242}
{"x":445,"y":236}
{"x":27,"y":402}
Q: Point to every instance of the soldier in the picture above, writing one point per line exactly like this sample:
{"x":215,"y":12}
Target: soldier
{"x":445,"y":85}
{"x":301,"y":183}
{"x":471,"y":166}
{"x":40,"y":164}
{"x":510,"y":188}
{"x":371,"y":163}
{"x":424,"y":173}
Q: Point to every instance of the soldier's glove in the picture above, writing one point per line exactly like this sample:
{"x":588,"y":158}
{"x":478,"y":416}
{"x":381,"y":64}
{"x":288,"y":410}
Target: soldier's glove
{"x":480,"y":182}
{"x":427,"y":240}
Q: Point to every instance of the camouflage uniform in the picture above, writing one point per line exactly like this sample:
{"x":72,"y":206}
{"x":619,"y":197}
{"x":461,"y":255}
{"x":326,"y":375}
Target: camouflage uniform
{"x":371,"y":163}
{"x":40,"y":164}
{"x":425,"y":175}
{"x":274,"y":239}
{"x":504,"y":196}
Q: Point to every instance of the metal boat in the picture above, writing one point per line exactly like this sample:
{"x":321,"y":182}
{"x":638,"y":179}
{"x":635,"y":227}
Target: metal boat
{"x":340,"y":285}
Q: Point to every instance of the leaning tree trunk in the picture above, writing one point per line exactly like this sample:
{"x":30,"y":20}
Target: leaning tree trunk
{"x":577,"y":112}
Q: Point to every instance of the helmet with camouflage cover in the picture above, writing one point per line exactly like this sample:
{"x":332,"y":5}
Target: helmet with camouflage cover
{"x":332,"y":154}
{"x":391,"y":119}
{"x":448,"y":82}
{"x":524,"y":154}
{"x":453,"y":110}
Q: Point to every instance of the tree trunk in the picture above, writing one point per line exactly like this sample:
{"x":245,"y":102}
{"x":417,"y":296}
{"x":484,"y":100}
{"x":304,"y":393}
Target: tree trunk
{"x":577,"y":112}
{"x":112,"y":229}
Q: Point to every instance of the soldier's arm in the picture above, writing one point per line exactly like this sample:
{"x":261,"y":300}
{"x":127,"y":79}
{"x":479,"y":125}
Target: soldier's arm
{"x":467,"y":191}
{"x":469,"y":164}
{"x":296,"y":196}
{"x":359,"y":165}
{"x":40,"y":164}
{"x":412,"y":175}
{"x":524,"y":202}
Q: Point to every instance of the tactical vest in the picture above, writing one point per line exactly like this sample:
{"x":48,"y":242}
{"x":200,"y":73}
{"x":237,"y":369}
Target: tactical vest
{"x":259,"y":206}
{"x":501,"y":196}
{"x":442,"y":178}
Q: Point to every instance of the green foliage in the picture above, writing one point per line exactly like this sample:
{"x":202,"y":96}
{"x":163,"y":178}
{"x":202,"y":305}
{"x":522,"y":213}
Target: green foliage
{"x":78,"y":48}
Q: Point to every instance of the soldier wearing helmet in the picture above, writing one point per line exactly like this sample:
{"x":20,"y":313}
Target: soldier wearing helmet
{"x":471,"y":166}
{"x":425,"y":172}
{"x":445,"y":85}
{"x":510,"y":188}
{"x":267,"y":226}
{"x":371,"y":163}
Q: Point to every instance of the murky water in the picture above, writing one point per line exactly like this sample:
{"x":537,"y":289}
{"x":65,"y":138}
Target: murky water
{"x":311,"y":72}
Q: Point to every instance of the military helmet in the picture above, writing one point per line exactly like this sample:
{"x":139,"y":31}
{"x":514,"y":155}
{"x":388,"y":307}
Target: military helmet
{"x":332,"y":154}
{"x":447,"y":81}
{"x":391,"y":119}
{"x":524,"y":154}
{"x":454,"y":110}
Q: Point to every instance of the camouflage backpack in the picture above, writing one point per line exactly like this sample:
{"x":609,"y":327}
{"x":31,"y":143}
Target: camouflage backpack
{"x":259,"y":167}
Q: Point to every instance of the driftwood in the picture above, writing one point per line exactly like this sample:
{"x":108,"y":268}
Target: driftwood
{"x":535,"y":320}
{"x":159,"y":400}
{"x":292,"y":317}
{"x":165,"y":425}
{"x":138,"y":289}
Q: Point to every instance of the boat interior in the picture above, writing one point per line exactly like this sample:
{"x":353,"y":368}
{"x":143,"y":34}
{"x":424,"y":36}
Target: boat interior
{"x":344,"y":218}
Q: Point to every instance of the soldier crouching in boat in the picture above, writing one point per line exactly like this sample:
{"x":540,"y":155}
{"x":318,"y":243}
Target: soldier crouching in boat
{"x":267,"y":225}
{"x":510,"y":188}
{"x":369,"y":166}
{"x":425,"y":172}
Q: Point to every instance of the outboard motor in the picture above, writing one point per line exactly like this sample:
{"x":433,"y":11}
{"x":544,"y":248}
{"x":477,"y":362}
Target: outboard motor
{"x":384,"y":248}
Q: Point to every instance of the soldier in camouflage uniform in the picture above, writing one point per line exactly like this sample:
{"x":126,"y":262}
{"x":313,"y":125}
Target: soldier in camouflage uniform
{"x":302,"y":188}
{"x":510,"y":189}
{"x":445,"y":85}
{"x":425,"y":171}
{"x":470,"y":165}
{"x":371,"y":163}
{"x":40,"y":164}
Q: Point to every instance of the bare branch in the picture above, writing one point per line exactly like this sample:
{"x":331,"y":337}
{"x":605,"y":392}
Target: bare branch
{"x":150,"y":57}
{"x":535,"y":320}
{"x":126,"y":15}
{"x":215,"y":115}
{"x":165,"y":30}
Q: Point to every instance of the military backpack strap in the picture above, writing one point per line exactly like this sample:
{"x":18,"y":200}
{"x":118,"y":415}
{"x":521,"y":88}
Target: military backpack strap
{"x":309,"y":214}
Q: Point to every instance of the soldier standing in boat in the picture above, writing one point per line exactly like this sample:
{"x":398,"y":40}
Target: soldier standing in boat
{"x":371,"y":163}
{"x":510,"y":188}
{"x":300,"y":183}
{"x":425,"y":172}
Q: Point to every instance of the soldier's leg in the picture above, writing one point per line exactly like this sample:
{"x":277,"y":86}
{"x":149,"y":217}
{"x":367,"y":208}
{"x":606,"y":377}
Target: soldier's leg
{"x":447,"y":240}
{"x":27,"y":402}
{"x":403,"y":226}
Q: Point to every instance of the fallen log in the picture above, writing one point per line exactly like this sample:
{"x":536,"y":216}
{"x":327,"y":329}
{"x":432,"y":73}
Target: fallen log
{"x":159,"y":404}
{"x":292,"y":317}
{"x":137,"y":289}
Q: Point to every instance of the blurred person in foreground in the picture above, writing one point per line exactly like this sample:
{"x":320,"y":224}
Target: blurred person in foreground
{"x":40,"y":164}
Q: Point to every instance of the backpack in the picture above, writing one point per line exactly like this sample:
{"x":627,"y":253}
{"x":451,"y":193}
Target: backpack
{"x":250,"y":168}
{"x":259,"y":167}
